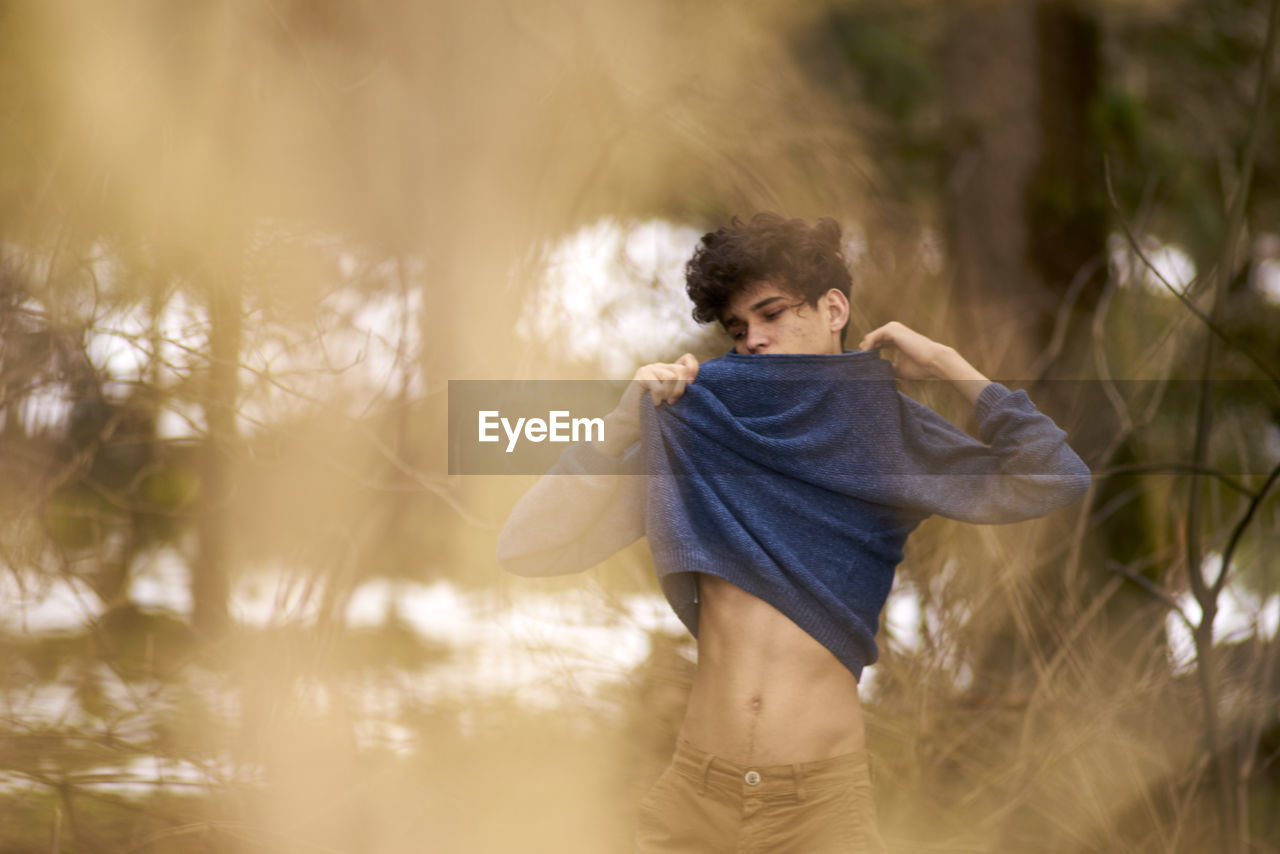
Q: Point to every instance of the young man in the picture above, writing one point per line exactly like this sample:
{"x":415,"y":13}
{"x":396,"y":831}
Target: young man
{"x":785,"y":478}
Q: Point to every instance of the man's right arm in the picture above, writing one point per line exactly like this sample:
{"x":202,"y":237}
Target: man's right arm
{"x":590,"y":503}
{"x":588,"y":506}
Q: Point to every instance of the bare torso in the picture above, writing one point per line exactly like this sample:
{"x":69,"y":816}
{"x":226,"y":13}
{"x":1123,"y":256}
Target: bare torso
{"x":766,"y":692}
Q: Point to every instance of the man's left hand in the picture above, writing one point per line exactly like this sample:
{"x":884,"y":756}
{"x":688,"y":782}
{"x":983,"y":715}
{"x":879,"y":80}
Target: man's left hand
{"x":921,"y":358}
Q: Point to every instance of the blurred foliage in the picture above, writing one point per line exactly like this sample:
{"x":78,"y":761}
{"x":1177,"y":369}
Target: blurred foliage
{"x":879,"y":60}
{"x":345,"y":197}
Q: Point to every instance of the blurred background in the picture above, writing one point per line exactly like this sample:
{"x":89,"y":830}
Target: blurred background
{"x":244,"y":246}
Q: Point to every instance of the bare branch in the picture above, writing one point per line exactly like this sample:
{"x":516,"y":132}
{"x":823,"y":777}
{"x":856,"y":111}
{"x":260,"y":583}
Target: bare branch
{"x":1226,"y":338}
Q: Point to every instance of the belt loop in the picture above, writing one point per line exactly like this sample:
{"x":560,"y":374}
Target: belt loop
{"x":798,"y":776}
{"x":706,"y":769}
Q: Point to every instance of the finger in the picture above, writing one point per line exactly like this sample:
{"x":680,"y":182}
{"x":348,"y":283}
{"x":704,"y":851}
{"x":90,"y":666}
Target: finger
{"x":686,"y":372}
{"x":659,"y":393}
{"x":678,"y":389}
{"x":650,"y":385}
{"x":876,"y":338}
{"x":670,"y":389}
{"x":690,"y":362}
{"x":663,"y":382}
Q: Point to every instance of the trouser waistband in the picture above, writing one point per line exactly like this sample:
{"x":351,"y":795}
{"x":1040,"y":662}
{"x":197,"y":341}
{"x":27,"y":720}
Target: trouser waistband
{"x":715,"y":772}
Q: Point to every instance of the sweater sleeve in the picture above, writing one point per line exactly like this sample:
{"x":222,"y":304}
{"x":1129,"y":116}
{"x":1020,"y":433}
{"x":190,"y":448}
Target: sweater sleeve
{"x":1021,"y":469}
{"x":586,"y":507}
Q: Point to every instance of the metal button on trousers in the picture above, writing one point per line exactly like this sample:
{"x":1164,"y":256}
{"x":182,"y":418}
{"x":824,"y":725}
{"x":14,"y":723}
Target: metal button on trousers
{"x":705,"y":804}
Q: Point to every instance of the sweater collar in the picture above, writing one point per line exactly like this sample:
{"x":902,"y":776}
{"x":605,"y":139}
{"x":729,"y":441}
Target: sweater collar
{"x":851,"y":364}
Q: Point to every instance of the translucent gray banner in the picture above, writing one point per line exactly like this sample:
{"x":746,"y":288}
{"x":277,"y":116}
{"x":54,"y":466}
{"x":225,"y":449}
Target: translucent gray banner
{"x":1138,"y":427}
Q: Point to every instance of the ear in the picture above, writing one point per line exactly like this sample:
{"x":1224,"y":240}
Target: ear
{"x":836,"y":306}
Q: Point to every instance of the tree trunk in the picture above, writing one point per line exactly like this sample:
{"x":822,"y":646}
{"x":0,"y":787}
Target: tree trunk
{"x":210,"y":585}
{"x":1027,"y":223}
{"x":992,"y":134}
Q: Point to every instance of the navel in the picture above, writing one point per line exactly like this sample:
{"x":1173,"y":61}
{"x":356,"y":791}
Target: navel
{"x":755,"y":703}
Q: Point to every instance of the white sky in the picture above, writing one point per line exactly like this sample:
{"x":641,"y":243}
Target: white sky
{"x":614,"y":295}
{"x":1169,"y":259}
{"x":364,"y":341}
{"x":539,"y":647}
{"x":1241,"y":613}
{"x":619,"y":286}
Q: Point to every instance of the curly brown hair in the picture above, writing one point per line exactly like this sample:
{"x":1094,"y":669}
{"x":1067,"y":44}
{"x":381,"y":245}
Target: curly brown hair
{"x":793,"y":254}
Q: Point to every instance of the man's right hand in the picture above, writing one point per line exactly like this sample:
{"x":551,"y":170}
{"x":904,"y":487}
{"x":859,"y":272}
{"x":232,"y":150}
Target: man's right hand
{"x":664,"y":382}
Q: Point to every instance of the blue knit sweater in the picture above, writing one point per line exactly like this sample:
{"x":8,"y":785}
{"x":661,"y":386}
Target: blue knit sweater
{"x":797,"y":478}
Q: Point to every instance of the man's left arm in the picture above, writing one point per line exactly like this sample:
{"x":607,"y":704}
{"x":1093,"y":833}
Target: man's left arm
{"x":921,"y":358}
{"x":1023,"y":466}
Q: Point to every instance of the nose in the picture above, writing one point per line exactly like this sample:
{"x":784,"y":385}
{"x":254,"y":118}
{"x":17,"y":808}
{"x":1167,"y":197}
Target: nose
{"x":756,"y":339}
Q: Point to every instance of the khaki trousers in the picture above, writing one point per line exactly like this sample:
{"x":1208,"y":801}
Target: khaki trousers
{"x":703,"y":804}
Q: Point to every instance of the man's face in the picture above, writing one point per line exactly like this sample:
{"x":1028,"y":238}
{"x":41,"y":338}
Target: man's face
{"x":765,"y":318}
